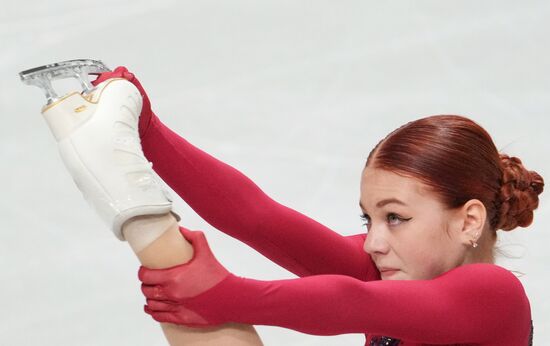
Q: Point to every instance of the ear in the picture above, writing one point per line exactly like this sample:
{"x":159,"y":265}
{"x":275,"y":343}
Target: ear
{"x":473,"y":215}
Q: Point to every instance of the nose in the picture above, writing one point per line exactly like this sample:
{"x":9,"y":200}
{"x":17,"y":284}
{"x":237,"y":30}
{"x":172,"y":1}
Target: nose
{"x":375,"y":242}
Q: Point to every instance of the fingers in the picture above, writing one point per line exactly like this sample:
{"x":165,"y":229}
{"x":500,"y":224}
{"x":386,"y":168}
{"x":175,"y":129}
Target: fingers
{"x":149,"y":276}
{"x":119,"y":72}
{"x":120,"y":69}
{"x":188,"y":234}
{"x":166,"y":317}
{"x":153,"y":276}
{"x":129,"y":76}
{"x":111,"y":74}
{"x":194,"y":237}
{"x":161,"y":306}
{"x":155,"y":292}
{"x":172,"y":317}
{"x":163,"y":276}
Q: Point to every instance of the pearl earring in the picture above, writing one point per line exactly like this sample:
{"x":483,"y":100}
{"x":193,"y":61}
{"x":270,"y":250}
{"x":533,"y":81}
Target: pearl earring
{"x":474,"y":241}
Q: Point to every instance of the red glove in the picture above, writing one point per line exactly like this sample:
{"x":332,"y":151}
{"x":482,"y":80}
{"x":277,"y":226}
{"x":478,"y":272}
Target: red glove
{"x":168,"y":290}
{"x":146,"y":113}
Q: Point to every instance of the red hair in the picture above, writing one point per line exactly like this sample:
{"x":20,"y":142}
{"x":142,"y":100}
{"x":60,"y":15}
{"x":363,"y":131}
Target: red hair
{"x":458,"y":159}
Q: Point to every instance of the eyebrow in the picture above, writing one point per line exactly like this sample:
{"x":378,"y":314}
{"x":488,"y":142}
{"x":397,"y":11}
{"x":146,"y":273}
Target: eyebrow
{"x":383,"y":202}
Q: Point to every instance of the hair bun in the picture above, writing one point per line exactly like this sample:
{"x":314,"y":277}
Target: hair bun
{"x":518,"y":194}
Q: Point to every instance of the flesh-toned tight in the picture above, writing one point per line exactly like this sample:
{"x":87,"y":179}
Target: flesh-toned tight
{"x":170,"y":249}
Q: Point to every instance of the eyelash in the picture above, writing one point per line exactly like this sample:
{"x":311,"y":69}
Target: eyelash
{"x":366,"y":218}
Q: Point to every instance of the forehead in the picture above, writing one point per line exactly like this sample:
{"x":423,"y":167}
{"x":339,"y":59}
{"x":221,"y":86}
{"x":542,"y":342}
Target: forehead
{"x":378,"y":184}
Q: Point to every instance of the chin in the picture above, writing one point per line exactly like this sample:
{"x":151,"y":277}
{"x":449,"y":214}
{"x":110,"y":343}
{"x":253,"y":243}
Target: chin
{"x":397,"y":275}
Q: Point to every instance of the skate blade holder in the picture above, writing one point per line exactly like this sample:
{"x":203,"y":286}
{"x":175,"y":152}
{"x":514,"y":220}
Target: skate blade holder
{"x":80,"y":69}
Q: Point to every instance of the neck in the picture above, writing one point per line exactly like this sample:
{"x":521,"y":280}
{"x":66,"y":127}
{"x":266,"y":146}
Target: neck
{"x":484,"y":253}
{"x":479,"y":258}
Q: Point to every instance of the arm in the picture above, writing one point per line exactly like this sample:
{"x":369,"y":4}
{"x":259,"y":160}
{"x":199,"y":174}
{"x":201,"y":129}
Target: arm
{"x":474,"y":303}
{"x":231,"y":202}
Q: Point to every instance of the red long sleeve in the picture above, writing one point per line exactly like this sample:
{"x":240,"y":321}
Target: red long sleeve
{"x":231,"y":202}
{"x":474,"y":304}
{"x":481,"y":304}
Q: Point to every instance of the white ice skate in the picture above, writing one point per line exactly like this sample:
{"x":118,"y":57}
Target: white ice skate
{"x":97,"y":135}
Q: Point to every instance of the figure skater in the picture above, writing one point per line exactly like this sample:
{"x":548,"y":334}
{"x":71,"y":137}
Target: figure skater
{"x":433,"y":195}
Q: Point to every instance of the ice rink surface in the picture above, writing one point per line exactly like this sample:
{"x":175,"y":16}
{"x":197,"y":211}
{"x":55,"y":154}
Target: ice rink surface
{"x":294,"y":94}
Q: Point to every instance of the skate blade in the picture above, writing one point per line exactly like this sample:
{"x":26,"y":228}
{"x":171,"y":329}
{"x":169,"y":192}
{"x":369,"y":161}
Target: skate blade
{"x":80,"y":69}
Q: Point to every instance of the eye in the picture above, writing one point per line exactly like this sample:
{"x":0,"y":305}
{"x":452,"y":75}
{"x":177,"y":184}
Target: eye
{"x":366,"y":218}
{"x":395,"y":220}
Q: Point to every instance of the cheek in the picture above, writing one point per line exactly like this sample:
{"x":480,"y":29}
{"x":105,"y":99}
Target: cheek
{"x":424,"y":253}
{"x":424,"y":263}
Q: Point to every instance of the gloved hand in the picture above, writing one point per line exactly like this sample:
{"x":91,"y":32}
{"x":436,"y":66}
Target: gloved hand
{"x":170,"y":291}
{"x":147,"y":114}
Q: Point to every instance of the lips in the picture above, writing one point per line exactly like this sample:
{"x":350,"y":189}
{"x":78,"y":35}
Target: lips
{"x":383,"y":269}
{"x":387,"y":272}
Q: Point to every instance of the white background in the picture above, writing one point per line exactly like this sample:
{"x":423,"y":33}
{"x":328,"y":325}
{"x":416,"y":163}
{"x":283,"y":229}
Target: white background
{"x":292,"y":93}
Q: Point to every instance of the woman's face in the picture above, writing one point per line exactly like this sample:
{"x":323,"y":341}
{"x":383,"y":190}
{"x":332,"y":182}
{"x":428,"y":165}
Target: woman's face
{"x":409,"y":229}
